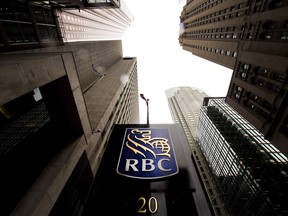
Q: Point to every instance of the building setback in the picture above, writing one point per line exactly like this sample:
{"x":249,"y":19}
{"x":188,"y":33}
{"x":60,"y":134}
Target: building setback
{"x":249,"y":37}
{"x":57,"y":110}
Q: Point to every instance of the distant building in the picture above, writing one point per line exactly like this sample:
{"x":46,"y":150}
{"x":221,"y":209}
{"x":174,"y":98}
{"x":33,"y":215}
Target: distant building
{"x":249,"y":37}
{"x":185,"y":104}
{"x":58,"y":105}
{"x":249,"y":172}
{"x":241,"y":171}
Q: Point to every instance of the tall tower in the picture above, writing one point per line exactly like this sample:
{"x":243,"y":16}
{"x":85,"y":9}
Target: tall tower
{"x":249,"y":37}
{"x":27,"y":24}
{"x":185,"y":104}
{"x":100,"y":23}
{"x":56,"y":120}
{"x":248,"y":171}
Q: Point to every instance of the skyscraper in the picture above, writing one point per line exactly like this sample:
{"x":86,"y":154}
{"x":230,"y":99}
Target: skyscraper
{"x":95,"y":24}
{"x":185,"y":104}
{"x":241,"y":171}
{"x":32,"y":24}
{"x":249,"y":172}
{"x":57,"y":110}
{"x":249,"y":37}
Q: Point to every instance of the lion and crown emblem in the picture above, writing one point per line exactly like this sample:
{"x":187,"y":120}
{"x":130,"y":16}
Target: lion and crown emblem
{"x":147,"y":153}
{"x":141,"y":142}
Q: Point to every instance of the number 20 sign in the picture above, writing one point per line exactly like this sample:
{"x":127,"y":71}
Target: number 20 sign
{"x":151,"y":206}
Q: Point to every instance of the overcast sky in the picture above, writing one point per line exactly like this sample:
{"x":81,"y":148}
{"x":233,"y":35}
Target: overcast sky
{"x":162,"y":63}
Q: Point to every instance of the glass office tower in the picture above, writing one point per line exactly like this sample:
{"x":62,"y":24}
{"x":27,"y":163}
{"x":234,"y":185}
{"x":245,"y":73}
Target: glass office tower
{"x":250,"y":173}
{"x":184,"y":104}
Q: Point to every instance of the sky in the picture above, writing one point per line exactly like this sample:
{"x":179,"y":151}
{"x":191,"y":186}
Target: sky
{"x":162,"y":63}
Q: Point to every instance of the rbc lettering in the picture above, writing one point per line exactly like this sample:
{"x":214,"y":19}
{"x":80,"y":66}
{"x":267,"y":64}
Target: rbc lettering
{"x":145,"y":165}
{"x":147,"y":153}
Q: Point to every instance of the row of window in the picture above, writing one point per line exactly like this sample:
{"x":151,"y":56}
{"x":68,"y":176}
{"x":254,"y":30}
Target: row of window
{"x":252,"y":102}
{"x":227,"y":29}
{"x":19,"y":28}
{"x":276,"y":31}
{"x":209,"y":4}
{"x":262,"y":77}
{"x":213,"y":50}
{"x":123,"y":114}
{"x":276,"y":35}
{"x":214,"y":36}
{"x":25,"y":33}
{"x":258,"y":7}
{"x":214,"y":17}
{"x":19,"y":11}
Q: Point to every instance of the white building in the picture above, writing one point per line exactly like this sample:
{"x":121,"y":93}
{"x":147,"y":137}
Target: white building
{"x":101,"y":23}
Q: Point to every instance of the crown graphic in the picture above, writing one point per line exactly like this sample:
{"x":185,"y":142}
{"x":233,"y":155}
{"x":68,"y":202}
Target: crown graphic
{"x":141,"y":142}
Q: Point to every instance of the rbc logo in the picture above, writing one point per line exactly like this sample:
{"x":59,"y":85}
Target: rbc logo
{"x":147,"y":153}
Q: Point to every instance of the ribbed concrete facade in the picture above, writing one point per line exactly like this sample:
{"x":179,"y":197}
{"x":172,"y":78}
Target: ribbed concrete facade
{"x":249,"y":37}
{"x":29,"y":24}
{"x":95,"y":24}
{"x":184,"y":104}
{"x":49,"y":162}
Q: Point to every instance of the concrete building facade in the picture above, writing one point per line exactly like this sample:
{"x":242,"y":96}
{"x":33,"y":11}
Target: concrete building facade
{"x":37,"y":23}
{"x":249,"y":37}
{"x":95,"y":23}
{"x":55,"y":123}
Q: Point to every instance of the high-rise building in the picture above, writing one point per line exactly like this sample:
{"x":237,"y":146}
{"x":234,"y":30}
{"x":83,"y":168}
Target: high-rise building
{"x":249,"y":37}
{"x":58,"y":105}
{"x":36,"y":23}
{"x":241,"y":171}
{"x":248,"y":171}
{"x":185,"y":104}
{"x":95,"y":24}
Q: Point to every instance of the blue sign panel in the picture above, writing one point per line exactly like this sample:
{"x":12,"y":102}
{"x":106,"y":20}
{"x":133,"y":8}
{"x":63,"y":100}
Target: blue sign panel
{"x":147,"y":153}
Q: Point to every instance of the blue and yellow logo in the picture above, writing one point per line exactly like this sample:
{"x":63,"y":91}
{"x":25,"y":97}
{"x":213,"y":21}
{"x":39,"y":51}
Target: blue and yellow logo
{"x":147,"y":153}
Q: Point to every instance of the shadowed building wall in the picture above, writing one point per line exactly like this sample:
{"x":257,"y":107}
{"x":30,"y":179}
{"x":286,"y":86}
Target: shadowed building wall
{"x":54,"y":126}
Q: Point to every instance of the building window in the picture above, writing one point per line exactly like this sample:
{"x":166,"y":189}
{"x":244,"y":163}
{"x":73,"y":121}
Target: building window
{"x":284,"y":127}
{"x":239,"y":89}
{"x":243,"y":75}
{"x":259,"y":82}
{"x":266,"y":35}
{"x":269,"y":25}
{"x":246,"y":66}
{"x":279,"y":77}
{"x":237,"y":96}
{"x":284,"y":35}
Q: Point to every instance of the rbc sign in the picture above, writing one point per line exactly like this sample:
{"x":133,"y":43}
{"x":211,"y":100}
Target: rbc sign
{"x":147,"y":153}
